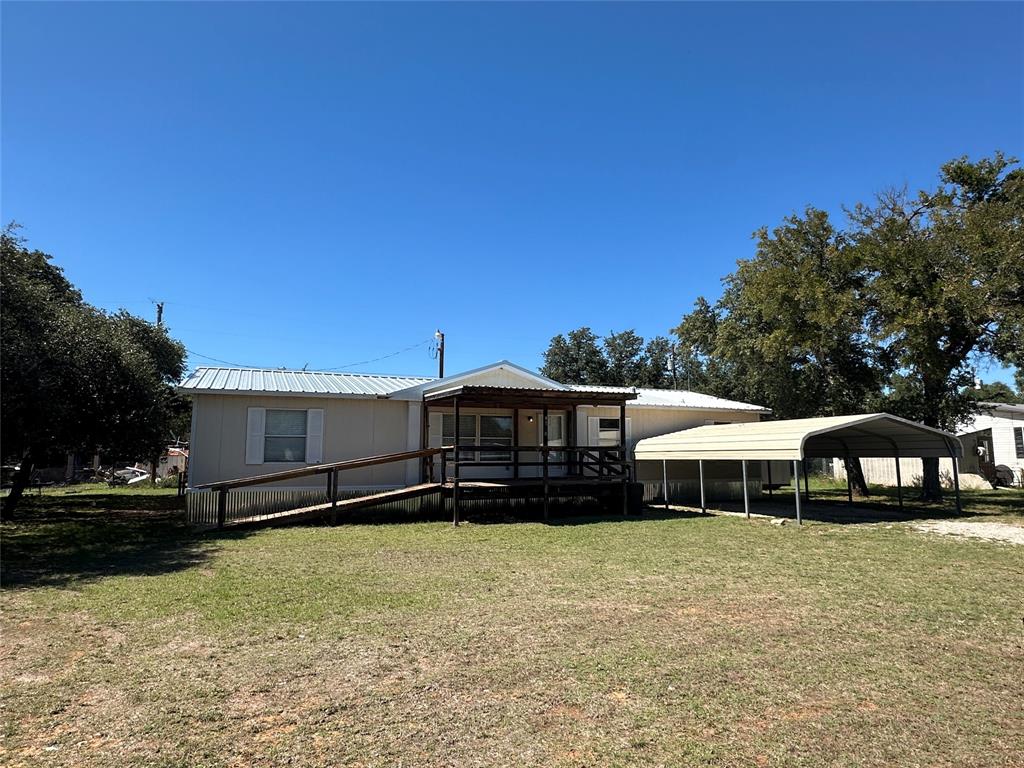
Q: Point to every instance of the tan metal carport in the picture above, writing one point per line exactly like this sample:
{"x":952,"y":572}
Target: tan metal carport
{"x":862,"y":436}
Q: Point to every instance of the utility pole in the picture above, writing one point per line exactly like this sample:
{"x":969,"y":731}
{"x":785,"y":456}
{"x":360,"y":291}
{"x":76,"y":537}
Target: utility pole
{"x":156,"y":459}
{"x":440,"y":353}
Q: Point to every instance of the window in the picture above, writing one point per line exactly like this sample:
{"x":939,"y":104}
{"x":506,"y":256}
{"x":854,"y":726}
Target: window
{"x":486,"y":431}
{"x":608,"y":432}
{"x":284,"y":436}
{"x":495,"y":431}
{"x":1018,"y":441}
{"x":467,"y":432}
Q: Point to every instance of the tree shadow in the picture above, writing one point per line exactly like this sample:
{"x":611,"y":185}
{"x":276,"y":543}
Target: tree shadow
{"x":60,"y":541}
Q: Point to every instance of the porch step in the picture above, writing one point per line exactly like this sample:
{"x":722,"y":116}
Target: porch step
{"x":343,"y":505}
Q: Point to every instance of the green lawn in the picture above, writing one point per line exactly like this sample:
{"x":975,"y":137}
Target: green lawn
{"x":669,"y":640}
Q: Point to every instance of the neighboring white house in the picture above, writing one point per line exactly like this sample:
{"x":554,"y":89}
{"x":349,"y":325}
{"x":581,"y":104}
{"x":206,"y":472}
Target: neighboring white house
{"x":248,"y":422}
{"x":994,"y":438}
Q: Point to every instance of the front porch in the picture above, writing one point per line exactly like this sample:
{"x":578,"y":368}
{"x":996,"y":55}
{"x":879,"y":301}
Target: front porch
{"x":500,"y":440}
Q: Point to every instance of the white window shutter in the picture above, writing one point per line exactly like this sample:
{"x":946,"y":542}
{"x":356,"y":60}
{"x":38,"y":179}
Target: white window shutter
{"x":629,"y":431}
{"x":256,"y":420}
{"x":314,"y":435}
{"x":434,"y":435}
{"x":593,"y":430}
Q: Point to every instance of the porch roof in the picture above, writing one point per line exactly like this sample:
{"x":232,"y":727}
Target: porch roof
{"x":525,"y":397}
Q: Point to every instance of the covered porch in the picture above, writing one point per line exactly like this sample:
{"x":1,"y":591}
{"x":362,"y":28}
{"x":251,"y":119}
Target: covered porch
{"x":497,"y":439}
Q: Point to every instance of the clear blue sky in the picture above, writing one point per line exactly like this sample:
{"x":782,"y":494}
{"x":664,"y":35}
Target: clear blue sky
{"x":328,"y":183}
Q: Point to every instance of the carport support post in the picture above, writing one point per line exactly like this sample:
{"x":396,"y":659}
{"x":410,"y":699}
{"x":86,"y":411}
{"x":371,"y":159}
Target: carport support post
{"x":746,"y":493}
{"x":956,"y":486}
{"x":807,"y":483}
{"x":796,"y":484}
{"x":899,"y":482}
{"x":769,"y":465}
{"x":703,"y":503}
{"x":849,"y":480}
{"x":664,"y":480}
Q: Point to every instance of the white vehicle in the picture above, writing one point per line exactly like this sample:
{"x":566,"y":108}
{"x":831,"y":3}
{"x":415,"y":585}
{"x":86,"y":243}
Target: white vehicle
{"x":131,"y":475}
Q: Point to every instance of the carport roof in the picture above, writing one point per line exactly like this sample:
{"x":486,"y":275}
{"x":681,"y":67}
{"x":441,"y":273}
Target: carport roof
{"x":864,"y":435}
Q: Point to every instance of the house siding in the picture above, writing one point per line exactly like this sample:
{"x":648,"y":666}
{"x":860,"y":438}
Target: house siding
{"x":353,"y":428}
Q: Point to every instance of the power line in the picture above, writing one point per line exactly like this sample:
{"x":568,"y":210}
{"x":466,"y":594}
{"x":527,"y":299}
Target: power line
{"x":225,"y":362}
{"x":385,"y":357}
{"x":337,"y":368}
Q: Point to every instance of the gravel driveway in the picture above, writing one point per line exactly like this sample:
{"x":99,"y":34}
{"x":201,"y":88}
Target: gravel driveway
{"x":1010,"y":534}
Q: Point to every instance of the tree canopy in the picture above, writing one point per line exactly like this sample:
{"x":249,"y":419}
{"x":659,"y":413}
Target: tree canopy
{"x":76,"y":378}
{"x":893,"y":312}
{"x":619,"y":359}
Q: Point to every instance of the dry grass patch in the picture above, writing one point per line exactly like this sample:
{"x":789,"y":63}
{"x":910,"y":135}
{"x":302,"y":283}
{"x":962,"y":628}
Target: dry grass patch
{"x":665,"y":641}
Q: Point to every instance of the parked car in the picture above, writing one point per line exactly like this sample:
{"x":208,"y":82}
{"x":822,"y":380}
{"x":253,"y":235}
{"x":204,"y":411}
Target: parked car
{"x":129,"y":476}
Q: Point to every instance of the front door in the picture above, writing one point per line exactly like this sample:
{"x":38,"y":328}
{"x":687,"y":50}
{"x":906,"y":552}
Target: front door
{"x":556,"y":437}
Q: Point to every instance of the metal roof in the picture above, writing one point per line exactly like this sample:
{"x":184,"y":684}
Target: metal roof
{"x":675,"y":398}
{"x":263,"y":380}
{"x":873,"y":434}
{"x":323,"y":383}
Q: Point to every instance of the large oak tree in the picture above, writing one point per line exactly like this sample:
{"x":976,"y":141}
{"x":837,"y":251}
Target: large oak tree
{"x":75,"y":378}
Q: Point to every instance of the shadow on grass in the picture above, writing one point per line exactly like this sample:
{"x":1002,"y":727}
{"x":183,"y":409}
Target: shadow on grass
{"x":67,"y":540}
{"x":831,"y":506}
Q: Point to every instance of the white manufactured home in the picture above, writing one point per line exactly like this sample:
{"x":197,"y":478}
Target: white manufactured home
{"x":514,"y":426}
{"x":993,"y":450}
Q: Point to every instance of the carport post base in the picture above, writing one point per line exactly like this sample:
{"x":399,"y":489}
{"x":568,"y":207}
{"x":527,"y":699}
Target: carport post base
{"x":796,"y":487}
{"x":746,"y":493}
{"x":703,"y":503}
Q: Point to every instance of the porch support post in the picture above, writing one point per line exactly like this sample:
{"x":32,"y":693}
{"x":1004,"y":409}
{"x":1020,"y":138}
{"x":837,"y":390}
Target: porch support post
{"x":746,"y":493}
{"x":623,"y":456}
{"x":515,"y":443}
{"x":456,"y":471}
{"x":333,"y":483}
{"x":544,"y":451}
{"x":796,"y":486}
{"x":222,"y":507}
{"x":570,"y":437}
{"x":700,"y":469}
{"x":664,"y":480}
{"x":427,"y":462}
{"x":899,"y":481}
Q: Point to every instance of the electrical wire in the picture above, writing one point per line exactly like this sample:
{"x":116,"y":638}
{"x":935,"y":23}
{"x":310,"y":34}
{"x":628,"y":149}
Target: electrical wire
{"x":336,"y":368}
{"x":378,"y":359}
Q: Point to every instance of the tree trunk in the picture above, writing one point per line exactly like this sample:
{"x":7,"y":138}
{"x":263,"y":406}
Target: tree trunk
{"x":18,"y":486}
{"x":931,"y":489}
{"x":855,"y":472}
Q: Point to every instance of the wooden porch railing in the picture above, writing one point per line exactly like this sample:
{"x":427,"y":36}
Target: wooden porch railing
{"x":331,"y":469}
